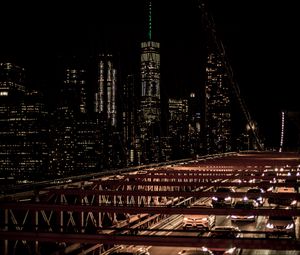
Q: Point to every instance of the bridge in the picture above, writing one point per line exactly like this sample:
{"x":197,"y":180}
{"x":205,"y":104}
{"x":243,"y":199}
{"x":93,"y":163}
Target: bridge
{"x":134,"y":207}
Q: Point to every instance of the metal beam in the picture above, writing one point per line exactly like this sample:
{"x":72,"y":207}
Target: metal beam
{"x":196,"y":194}
{"x":197,"y":183}
{"x":176,"y":241}
{"x":151,"y":209}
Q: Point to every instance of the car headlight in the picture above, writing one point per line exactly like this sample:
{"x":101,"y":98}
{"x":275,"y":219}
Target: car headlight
{"x":215,"y":198}
{"x":204,"y":249}
{"x":250,"y":217}
{"x":230,"y":251}
{"x":269,"y":225}
{"x":290,"y":226}
{"x":185,"y":218}
{"x":233,"y":216}
{"x":294,"y":202}
{"x":227,"y":198}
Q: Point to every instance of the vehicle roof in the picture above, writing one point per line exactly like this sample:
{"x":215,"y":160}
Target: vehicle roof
{"x":281,"y":218}
{"x":196,"y":252}
{"x":224,"y":228}
{"x":286,"y":189}
{"x":255,"y":189}
{"x":130,"y":250}
{"x":244,"y":205}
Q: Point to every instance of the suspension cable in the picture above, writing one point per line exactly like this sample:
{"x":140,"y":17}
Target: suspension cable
{"x":210,"y":25}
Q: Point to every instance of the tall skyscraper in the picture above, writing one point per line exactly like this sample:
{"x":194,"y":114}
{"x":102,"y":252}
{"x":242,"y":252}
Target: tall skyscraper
{"x":74,"y":89}
{"x":129,"y":113}
{"x":109,"y":141}
{"x":195,"y":131}
{"x":178,"y":127}
{"x":150,"y":105}
{"x":73,"y":134}
{"x":217,"y":106}
{"x":12,"y":78}
{"x":105,"y":97}
{"x":23,"y":129}
{"x":150,"y":77}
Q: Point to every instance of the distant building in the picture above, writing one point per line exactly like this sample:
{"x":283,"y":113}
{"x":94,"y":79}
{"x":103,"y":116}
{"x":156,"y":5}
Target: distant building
{"x":106,"y":91}
{"x":150,"y":105}
{"x":150,"y":80}
{"x":109,"y":143}
{"x":217,"y":106}
{"x":74,"y":89}
{"x":178,"y":127}
{"x":12,"y":79}
{"x":129,"y":115}
{"x":195,"y":130}
{"x":23,"y":129}
{"x":73,"y":132}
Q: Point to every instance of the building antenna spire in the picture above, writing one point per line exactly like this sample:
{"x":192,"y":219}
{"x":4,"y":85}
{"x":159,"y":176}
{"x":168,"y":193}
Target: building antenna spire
{"x":150,"y":21}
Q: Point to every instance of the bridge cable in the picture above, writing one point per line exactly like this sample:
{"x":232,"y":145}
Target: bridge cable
{"x":210,"y":25}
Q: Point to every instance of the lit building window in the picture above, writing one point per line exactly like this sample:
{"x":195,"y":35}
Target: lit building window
{"x":4,"y":93}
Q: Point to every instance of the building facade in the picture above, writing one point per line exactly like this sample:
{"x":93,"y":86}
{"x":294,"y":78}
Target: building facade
{"x":23,"y":128}
{"x":73,"y":133}
{"x":217,"y":106}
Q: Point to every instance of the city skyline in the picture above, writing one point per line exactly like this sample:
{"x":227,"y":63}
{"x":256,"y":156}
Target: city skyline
{"x":82,"y":30}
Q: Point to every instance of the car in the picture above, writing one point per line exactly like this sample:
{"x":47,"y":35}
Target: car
{"x":292,"y":181}
{"x":218,"y":201}
{"x":280,"y":226}
{"x":196,"y":251}
{"x":282,"y":200}
{"x":199,"y":221}
{"x":255,"y":193}
{"x":225,"y":232}
{"x":131,"y":250}
{"x":247,"y":204}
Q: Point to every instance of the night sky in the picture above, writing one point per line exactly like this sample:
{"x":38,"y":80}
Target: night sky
{"x":260,"y":39}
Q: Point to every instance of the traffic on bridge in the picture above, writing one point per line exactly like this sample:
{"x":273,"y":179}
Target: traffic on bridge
{"x":240,"y":203}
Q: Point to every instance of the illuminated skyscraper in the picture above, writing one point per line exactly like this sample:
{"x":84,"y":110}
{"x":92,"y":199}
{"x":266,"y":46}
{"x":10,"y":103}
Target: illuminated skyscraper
{"x":129,"y":113}
{"x":178,"y":127}
{"x":105,"y":97}
{"x":217,"y":107}
{"x":11,"y":78}
{"x":74,"y":89}
{"x":72,"y":147}
{"x":150,"y":107}
{"x":150,"y":77}
{"x":195,"y":131}
{"x":105,"y":107}
{"x":23,"y":129}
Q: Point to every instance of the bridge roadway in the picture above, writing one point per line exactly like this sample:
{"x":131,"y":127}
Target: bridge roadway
{"x":94,"y":211}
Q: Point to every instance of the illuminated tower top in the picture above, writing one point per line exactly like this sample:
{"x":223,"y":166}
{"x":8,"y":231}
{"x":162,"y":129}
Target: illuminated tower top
{"x":150,"y":63}
{"x":150,"y":22}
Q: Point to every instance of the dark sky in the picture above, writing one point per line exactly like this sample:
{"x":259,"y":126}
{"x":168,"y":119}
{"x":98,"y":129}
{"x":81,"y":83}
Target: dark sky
{"x":260,"y":39}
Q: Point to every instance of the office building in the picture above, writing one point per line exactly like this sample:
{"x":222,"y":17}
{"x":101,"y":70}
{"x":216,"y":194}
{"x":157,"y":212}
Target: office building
{"x":217,"y":106}
{"x":23,"y":128}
